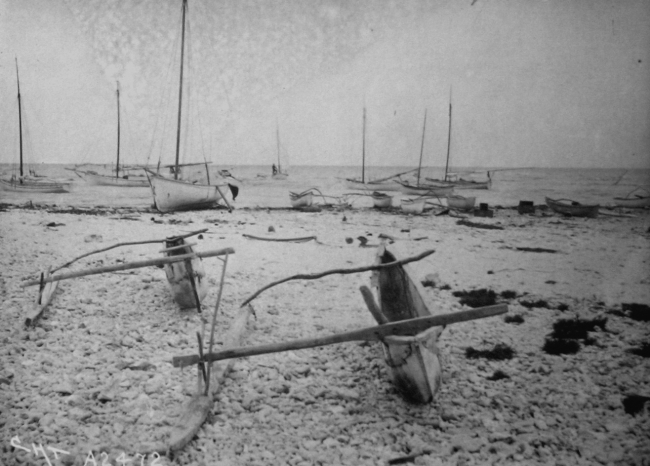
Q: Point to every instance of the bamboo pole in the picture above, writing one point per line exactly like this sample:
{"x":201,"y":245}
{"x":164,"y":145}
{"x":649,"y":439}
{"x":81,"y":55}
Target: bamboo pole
{"x":132,"y":265}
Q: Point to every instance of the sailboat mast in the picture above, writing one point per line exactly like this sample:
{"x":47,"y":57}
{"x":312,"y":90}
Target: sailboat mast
{"x":448,"y":137}
{"x":363,"y":149}
{"x":277,"y":138}
{"x":424,"y":125}
{"x":180,"y":93}
{"x":20,"y":120}
{"x":117,"y":167}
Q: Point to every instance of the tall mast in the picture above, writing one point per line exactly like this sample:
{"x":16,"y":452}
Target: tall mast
{"x":20,"y":121}
{"x":424,"y":125}
{"x":363,"y":149}
{"x":117,"y":167}
{"x":277,"y":138}
{"x":180,"y":93}
{"x":448,"y":136}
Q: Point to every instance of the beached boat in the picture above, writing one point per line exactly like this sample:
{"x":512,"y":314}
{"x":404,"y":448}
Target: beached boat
{"x":174,"y":194}
{"x":460,"y":202}
{"x":186,"y":278}
{"x":425,"y":189}
{"x":299,"y":200}
{"x":412,"y":360}
{"x":413,"y":206}
{"x":572,"y":208}
{"x":29,"y":183}
{"x":634,"y":201}
{"x":381,"y":200}
{"x":128,"y":179}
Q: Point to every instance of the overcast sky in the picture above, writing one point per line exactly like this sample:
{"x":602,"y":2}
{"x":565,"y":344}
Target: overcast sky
{"x":533,"y":83}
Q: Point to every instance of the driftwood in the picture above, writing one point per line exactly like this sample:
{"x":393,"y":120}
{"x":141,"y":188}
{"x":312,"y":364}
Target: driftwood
{"x":526,"y":249}
{"x":132,"y":265}
{"x":338,"y":271}
{"x":45,"y":294}
{"x":486,"y":226}
{"x":130,"y":243}
{"x":302,"y":239}
{"x":376,"y":333}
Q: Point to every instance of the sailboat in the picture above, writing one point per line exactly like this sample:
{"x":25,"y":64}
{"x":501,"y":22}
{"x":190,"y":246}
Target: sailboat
{"x":453,"y":179}
{"x":377,"y":185}
{"x":30,"y":183}
{"x":278,"y":174}
{"x":424,"y":189}
{"x":126,"y":180}
{"x":174,"y":194}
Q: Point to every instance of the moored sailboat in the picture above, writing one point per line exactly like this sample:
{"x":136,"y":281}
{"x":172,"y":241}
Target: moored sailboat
{"x":176,"y":194}
{"x":30,"y":183}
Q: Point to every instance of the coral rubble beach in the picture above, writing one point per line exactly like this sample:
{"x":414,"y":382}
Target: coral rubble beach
{"x":95,"y":374}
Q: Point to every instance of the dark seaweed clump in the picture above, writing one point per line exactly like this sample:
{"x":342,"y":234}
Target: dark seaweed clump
{"x":476,"y":298}
{"x":534,"y":304}
{"x":643,"y":350}
{"x":634,"y":404}
{"x":562,"y":307}
{"x":500,"y":352}
{"x":498,"y":375}
{"x":639,"y":312}
{"x":557,"y":346}
{"x":577,"y":329}
{"x":509,"y":294}
{"x":514,"y":319}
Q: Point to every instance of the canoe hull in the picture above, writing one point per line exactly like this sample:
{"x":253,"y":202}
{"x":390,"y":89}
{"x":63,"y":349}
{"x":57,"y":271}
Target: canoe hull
{"x":372,"y":186}
{"x":174,"y":195}
{"x":381,"y":201}
{"x":461,"y":202}
{"x":180,"y":275}
{"x":574,"y":210}
{"x":413,"y":206}
{"x":426,"y":190}
{"x":34,"y":186}
{"x":412,"y":360}
{"x":631,"y":202}
{"x":103,"y":180}
{"x":298,"y":201}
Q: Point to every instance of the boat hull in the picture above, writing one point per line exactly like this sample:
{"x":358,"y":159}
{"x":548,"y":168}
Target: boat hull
{"x":631,"y":202}
{"x":103,"y":180}
{"x":426,"y":190}
{"x":301,"y":200}
{"x":35,"y":186}
{"x":174,"y":195}
{"x":180,"y":276}
{"x":413,"y":206}
{"x":461,"y":202}
{"x":412,"y":360}
{"x":372,"y":186}
{"x":381,"y":201}
{"x":461,"y":184}
{"x":574,"y":210}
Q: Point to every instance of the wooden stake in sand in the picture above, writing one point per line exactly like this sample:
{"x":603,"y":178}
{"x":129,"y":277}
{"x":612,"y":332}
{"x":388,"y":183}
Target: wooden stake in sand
{"x":45,"y":294}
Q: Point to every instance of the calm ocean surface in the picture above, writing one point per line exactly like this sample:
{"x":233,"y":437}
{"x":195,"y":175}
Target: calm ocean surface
{"x":508,"y":188}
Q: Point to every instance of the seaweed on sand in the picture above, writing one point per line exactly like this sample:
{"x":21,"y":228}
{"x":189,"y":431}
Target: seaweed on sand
{"x":514,"y":319}
{"x":638,"y":312}
{"x":577,"y":329}
{"x":558,"y":346}
{"x":476,"y":298}
{"x":643,"y":350}
{"x":499,"y":352}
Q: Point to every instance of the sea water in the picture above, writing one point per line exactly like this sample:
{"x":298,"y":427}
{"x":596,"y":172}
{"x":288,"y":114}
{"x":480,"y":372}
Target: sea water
{"x":257,"y":189}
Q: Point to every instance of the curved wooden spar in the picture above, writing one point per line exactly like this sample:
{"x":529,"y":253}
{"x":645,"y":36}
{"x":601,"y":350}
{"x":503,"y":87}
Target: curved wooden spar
{"x":132,"y":265}
{"x":376,"y":333}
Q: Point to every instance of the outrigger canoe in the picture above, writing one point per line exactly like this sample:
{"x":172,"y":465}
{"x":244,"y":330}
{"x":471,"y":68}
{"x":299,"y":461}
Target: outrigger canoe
{"x":572,"y":208}
{"x":412,"y":360}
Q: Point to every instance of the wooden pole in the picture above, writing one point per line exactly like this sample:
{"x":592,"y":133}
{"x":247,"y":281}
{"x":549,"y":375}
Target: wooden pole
{"x":448,"y":136}
{"x":20,"y":120}
{"x":132,"y":265}
{"x":376,"y":333}
{"x":180,"y":93}
{"x":422,"y":145}
{"x":117,"y":166}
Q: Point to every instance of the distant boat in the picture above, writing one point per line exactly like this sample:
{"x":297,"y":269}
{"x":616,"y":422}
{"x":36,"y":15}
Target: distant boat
{"x":278,"y":174}
{"x":31,"y":183}
{"x":126,"y":180}
{"x":174,"y":194}
{"x":636,"y":201}
{"x":425,"y":189}
{"x":572,"y":208}
{"x":361,"y":184}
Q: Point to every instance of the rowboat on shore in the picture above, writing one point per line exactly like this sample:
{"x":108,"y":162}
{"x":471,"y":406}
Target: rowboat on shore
{"x":412,"y":360}
{"x":186,"y":278}
{"x":460,"y":202}
{"x":636,"y":201}
{"x":572,"y":208}
{"x":303,"y":199}
{"x":381,"y":200}
{"x":413,"y":206}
